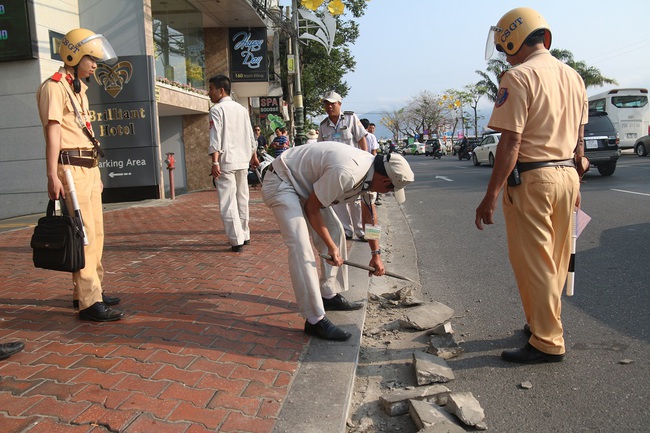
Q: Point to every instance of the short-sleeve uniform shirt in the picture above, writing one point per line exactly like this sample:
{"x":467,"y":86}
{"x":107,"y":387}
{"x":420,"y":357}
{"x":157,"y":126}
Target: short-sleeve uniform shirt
{"x":54,"y":103}
{"x":347,"y":130}
{"x":335,"y":172}
{"x":546,"y":102}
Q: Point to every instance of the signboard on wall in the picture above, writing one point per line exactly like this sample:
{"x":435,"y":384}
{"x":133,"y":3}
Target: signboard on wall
{"x":270,"y":104}
{"x":16,"y":26}
{"x":248,"y":54}
{"x":123,"y":117}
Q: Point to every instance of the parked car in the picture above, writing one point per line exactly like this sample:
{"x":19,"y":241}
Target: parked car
{"x":601,"y":143}
{"x":413,"y":149}
{"x":485,"y":152}
{"x":642,"y":145}
{"x":431,"y":145}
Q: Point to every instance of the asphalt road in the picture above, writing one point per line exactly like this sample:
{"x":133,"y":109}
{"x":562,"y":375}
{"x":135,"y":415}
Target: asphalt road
{"x":606,"y":322}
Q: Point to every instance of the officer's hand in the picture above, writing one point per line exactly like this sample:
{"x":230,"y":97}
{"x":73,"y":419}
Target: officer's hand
{"x":378,"y":264}
{"x":578,"y":200}
{"x":55,"y":188}
{"x":485,"y":213}
{"x":335,"y":254}
{"x":216,"y":171}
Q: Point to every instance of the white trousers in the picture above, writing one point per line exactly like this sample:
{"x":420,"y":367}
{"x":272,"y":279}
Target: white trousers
{"x":308,"y":288}
{"x":232,"y":188}
{"x":350,"y":216}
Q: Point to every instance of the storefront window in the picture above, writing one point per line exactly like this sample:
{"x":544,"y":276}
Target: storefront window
{"x":178,"y":41}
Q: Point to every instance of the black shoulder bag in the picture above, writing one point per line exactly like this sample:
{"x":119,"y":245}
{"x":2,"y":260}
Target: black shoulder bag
{"x":58,"y":241}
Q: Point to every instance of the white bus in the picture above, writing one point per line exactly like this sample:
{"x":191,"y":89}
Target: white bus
{"x":628,"y":110}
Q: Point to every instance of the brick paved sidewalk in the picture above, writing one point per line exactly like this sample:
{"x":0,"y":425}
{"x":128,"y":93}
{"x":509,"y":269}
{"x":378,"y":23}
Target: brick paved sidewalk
{"x":209,"y":342}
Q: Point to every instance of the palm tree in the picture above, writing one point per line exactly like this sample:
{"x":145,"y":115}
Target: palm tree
{"x":590,"y":75}
{"x":488,"y":87}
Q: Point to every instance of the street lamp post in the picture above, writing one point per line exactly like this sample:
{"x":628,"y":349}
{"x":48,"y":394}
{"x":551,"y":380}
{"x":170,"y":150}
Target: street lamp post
{"x":299,"y":116}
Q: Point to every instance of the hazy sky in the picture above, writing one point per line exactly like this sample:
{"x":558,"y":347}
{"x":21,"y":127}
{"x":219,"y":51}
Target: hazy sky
{"x":407,"y":46}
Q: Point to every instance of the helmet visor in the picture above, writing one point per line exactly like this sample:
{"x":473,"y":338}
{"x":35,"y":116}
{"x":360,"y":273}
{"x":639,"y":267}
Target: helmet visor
{"x":97,"y":47}
{"x":489,"y":43}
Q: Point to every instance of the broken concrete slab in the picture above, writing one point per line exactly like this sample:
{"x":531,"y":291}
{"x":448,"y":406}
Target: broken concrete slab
{"x":444,"y":346}
{"x":467,"y":408}
{"x":426,"y":316}
{"x":442,"y":329}
{"x":397,"y":402}
{"x":432,"y":418}
{"x":401,"y":298}
{"x":431,"y":369}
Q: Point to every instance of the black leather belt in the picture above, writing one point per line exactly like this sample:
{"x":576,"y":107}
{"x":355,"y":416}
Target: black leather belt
{"x":526,"y":166}
{"x":78,"y":157}
{"x":78,"y":152}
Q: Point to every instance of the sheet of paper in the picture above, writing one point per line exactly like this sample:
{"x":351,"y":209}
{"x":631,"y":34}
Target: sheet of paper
{"x":582,"y":219}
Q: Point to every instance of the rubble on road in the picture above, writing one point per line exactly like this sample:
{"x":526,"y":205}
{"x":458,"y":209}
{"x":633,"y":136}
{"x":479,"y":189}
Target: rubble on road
{"x":467,"y":409}
{"x":397,"y":402}
{"x":431,"y":369}
{"x":401,"y":298}
{"x":444,"y":346}
{"x":432,"y":418}
{"x":426,"y":316}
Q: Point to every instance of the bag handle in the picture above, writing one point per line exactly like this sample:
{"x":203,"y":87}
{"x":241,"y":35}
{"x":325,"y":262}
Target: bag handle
{"x":51,"y":205}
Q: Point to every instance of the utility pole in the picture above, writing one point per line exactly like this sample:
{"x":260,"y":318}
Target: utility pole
{"x":299,"y":116}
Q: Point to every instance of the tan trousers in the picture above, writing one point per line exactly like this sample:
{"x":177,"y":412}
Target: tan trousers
{"x":538,"y":223}
{"x":87,"y":283}
{"x":232,"y":187}
{"x":295,"y":229}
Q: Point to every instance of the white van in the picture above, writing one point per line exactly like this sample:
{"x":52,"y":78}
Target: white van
{"x":628,"y":110}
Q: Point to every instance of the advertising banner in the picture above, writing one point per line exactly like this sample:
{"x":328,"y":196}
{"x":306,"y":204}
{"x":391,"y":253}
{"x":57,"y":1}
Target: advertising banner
{"x":248,"y":54}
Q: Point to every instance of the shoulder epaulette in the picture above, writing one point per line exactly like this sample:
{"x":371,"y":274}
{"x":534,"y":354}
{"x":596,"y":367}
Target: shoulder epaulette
{"x":57,"y":77}
{"x":349,"y":113}
{"x":324,"y":120}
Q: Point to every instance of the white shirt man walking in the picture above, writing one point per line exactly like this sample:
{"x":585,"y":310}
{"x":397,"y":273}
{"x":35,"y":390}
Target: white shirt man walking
{"x":232,"y":148}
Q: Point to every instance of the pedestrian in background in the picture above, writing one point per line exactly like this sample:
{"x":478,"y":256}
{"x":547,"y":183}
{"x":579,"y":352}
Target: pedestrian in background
{"x":261,"y":140}
{"x":541,"y":109}
{"x":312,"y":136}
{"x":64,"y":111}
{"x":233,"y":149}
{"x":299,"y":188}
{"x":281,"y":141}
{"x":344,"y":128}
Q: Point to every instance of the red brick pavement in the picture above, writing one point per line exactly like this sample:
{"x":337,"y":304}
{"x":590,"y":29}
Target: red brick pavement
{"x":209,"y":342}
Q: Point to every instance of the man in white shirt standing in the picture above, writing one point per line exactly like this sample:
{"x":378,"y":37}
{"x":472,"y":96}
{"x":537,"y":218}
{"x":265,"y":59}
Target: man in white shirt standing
{"x":232,"y":149}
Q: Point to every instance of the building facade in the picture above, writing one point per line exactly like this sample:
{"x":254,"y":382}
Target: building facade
{"x":150,"y":104}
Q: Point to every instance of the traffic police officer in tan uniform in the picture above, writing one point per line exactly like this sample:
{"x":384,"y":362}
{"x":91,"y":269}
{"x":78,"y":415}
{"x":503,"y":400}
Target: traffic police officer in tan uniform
{"x":63,"y":109}
{"x":541,"y":109}
{"x":344,"y":128}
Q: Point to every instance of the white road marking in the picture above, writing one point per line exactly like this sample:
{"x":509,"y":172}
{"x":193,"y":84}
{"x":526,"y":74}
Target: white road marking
{"x":444,"y":178}
{"x":630,"y":192}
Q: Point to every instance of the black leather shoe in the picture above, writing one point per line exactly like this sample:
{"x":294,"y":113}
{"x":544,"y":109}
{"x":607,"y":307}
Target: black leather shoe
{"x":326,"y":330}
{"x":527,"y":332}
{"x":108,"y":300}
{"x":237,"y":248}
{"x":348,"y":237}
{"x":362,"y":238}
{"x":99,"y":312}
{"x":247,"y":242}
{"x":339,"y":303}
{"x":8,"y":349}
{"x":529,"y":355}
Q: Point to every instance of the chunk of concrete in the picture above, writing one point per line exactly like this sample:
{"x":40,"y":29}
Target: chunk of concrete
{"x":444,"y":346}
{"x":397,"y":402}
{"x":432,"y":418}
{"x":466,"y":408}
{"x":431,"y":369}
{"x":442,"y":329}
{"x":426,"y":316}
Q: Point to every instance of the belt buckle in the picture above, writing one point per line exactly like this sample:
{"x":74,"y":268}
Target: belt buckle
{"x":95,"y":162}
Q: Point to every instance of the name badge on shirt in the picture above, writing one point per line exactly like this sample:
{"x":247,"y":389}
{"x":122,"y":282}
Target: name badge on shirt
{"x":336,"y":135}
{"x":373,"y":232}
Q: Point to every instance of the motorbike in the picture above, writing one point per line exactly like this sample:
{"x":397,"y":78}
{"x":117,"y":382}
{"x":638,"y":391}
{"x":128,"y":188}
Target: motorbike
{"x":464,"y":153}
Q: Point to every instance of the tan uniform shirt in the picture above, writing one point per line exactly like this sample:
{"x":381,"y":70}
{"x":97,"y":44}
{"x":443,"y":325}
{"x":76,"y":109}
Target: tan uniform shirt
{"x":54,"y":103}
{"x":548,"y":118}
{"x":348,"y":130}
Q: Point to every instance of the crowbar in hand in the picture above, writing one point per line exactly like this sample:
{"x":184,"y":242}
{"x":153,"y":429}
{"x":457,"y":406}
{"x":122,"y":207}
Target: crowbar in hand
{"x":369,"y":268}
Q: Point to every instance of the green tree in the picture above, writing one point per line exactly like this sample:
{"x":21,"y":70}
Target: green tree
{"x":489,"y":83}
{"x":590,"y":75}
{"x":322,"y":72}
